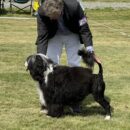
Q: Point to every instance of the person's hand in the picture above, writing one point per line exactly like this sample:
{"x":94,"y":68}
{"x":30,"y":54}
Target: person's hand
{"x":89,"y":49}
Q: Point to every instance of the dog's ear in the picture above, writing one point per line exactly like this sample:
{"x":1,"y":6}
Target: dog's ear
{"x":41,"y":63}
{"x":39,"y":60}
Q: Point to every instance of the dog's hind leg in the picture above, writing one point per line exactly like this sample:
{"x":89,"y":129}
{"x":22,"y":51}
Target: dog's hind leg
{"x":98,"y":93}
{"x":76,"y":108}
{"x":105,"y":104}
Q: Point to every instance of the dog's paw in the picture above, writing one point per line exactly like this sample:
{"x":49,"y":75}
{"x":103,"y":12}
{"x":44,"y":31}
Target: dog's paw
{"x":44,"y":111}
{"x":48,"y":116}
{"x":108,"y":117}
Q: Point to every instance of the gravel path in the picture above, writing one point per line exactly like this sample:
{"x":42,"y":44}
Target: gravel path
{"x":101,"y":5}
{"x":96,"y":5}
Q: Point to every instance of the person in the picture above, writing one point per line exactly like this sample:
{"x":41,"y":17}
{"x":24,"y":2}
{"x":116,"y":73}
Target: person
{"x":62,"y":23}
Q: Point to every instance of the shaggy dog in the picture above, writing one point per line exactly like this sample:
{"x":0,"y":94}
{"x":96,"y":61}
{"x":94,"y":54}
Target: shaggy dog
{"x":61,"y":86}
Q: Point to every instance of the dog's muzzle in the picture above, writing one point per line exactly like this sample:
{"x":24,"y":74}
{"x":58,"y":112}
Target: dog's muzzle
{"x":26,"y":65}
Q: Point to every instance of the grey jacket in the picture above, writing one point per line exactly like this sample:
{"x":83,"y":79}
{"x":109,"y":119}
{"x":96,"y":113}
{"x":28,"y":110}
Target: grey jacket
{"x":74,"y":19}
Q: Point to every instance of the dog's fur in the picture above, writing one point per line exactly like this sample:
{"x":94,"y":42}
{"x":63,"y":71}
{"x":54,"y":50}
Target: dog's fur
{"x":62,"y":86}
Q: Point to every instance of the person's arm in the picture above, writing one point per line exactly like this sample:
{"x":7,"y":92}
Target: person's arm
{"x":85,"y":33}
{"x":42,"y":36}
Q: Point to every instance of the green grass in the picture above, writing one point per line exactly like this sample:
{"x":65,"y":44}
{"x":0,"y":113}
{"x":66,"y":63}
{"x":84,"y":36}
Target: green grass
{"x":19,"y":101}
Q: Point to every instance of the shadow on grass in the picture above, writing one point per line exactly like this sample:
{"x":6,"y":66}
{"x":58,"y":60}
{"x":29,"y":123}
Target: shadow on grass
{"x":88,"y":109}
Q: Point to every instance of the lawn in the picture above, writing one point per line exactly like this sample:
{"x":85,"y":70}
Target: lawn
{"x":19,"y":101}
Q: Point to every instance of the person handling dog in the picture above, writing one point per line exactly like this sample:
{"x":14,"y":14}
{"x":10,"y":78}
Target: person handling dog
{"x":62,"y":23}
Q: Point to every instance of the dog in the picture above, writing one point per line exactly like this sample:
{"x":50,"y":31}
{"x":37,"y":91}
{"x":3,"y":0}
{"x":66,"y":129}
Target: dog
{"x":61,"y":86}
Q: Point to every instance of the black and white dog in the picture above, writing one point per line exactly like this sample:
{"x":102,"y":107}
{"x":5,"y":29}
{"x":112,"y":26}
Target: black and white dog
{"x":61,"y":86}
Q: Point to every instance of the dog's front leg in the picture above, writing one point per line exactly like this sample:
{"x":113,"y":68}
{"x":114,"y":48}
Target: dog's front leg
{"x":44,"y":109}
{"x":42,"y":100}
{"x":55,"y":110}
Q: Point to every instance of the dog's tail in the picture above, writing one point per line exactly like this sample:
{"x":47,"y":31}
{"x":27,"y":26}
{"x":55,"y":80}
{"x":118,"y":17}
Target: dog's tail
{"x":89,"y":59}
{"x":100,"y":69}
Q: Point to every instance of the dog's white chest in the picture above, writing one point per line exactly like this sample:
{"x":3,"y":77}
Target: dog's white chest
{"x":46,"y":73}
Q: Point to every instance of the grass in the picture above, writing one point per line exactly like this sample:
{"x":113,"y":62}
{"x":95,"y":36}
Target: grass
{"x":19,"y":101}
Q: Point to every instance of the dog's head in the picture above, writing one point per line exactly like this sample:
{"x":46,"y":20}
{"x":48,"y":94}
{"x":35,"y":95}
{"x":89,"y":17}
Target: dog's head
{"x":37,"y":64}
